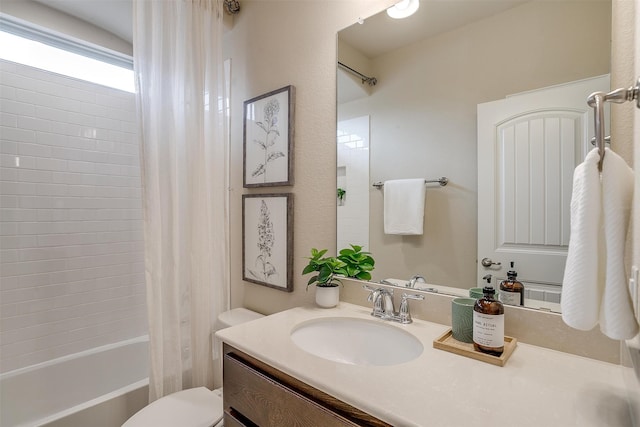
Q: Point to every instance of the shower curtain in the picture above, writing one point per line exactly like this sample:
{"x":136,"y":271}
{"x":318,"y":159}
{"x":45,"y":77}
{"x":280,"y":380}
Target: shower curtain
{"x":181,"y":108}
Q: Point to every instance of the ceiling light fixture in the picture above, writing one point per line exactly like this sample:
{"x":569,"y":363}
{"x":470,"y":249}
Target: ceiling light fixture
{"x":403,"y":9}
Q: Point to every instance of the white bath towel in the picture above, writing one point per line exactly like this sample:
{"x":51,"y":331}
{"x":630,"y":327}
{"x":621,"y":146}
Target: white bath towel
{"x":404,"y":206}
{"x":617,"y":319}
{"x":581,"y":288}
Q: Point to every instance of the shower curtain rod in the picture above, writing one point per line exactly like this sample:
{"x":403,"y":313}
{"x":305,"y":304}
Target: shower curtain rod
{"x":372,"y":81}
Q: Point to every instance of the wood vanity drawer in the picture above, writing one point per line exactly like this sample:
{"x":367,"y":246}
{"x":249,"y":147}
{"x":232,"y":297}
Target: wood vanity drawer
{"x":266,"y":402}
{"x":231,"y":421}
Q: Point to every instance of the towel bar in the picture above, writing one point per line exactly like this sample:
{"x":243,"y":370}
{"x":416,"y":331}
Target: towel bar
{"x":442,"y":181}
{"x":597,"y":99}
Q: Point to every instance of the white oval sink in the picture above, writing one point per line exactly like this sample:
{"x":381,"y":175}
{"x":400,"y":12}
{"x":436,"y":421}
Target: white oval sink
{"x":356,"y":341}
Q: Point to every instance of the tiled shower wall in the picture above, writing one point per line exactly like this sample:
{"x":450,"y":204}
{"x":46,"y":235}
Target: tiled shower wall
{"x":71,"y":244}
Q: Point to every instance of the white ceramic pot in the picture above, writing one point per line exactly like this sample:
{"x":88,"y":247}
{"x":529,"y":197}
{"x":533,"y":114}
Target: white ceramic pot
{"x":327,"y":297}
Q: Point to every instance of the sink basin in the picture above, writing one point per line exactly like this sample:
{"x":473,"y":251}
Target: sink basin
{"x":356,"y":341}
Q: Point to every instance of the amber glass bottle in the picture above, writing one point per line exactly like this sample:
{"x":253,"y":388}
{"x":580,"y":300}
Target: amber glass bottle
{"x":511,"y":290}
{"x":488,"y":323}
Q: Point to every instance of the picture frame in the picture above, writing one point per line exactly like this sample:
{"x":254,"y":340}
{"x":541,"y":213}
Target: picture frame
{"x":267,"y":240}
{"x":267,"y":156}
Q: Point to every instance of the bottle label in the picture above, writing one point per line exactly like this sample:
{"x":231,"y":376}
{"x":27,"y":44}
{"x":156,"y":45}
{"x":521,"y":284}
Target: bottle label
{"x":488,"y":329}
{"x":511,"y":298}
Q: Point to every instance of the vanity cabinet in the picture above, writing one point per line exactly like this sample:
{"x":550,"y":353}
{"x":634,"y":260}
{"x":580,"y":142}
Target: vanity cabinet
{"x":256,"y":394}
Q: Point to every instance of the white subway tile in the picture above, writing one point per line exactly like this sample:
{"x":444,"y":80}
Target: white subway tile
{"x":8,"y":229}
{"x":8,"y":255}
{"x":107,"y":146}
{"x":26,"y":96}
{"x":7,"y":284}
{"x":8,"y":147}
{"x":17,"y":188}
{"x":88,"y":225}
{"x":82,"y":167}
{"x":107,"y":101}
{"x":95,"y":156}
{"x":7,"y":92}
{"x":10,"y":214}
{"x":33,"y":202}
{"x":32,"y":175}
{"x":53,"y":114}
{"x":81,"y":119}
{"x":17,"y":81}
{"x":32,"y":280}
{"x":8,"y":66}
{"x":35,"y":150}
{"x":8,"y":120}
{"x":81,"y":143}
{"x":9,"y":242}
{"x":51,"y":164}
{"x":52,"y":214}
{"x":106,"y":123}
{"x":107,"y":169}
{"x":17,"y":134}
{"x":8,"y":174}
{"x":51,"y":138}
{"x":35,"y":124}
{"x":67,"y":276}
{"x":52,"y":190}
{"x":9,"y":201}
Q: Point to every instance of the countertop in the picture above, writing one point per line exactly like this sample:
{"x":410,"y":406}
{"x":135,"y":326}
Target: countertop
{"x":537,"y":386}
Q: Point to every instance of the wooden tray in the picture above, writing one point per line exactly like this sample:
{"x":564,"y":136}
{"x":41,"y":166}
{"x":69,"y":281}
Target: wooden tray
{"x":446,"y":342}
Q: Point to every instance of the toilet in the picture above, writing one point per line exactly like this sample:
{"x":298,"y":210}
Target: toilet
{"x":194,"y":407}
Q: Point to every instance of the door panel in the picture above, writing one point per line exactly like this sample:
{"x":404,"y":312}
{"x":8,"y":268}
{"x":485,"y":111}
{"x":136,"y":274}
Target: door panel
{"x":528,"y":146}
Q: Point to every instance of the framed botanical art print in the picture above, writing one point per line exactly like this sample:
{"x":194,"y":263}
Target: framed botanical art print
{"x":268,"y":139}
{"x":267,"y":240}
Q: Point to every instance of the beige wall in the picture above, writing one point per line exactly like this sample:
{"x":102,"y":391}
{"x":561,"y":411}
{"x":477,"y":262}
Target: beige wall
{"x":423,"y":119}
{"x":625,"y":134}
{"x":273,"y":44}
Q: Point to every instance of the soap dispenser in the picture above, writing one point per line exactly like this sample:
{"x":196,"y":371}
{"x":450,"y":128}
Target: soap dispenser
{"x":488,"y":322}
{"x":511,"y":290}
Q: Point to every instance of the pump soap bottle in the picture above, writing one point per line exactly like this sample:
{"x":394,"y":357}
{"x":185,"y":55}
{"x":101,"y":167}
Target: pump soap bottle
{"x":511,"y":290}
{"x":488,"y":322}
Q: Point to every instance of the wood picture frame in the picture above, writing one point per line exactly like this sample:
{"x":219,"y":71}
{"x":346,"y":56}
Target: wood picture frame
{"x":267,"y":240}
{"x":267,"y":156}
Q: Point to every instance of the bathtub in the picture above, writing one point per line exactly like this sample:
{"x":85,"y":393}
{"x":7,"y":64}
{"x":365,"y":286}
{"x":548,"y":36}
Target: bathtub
{"x":101,"y":387}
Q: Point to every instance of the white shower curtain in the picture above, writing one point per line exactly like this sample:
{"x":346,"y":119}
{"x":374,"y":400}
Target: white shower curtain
{"x":181,"y":106}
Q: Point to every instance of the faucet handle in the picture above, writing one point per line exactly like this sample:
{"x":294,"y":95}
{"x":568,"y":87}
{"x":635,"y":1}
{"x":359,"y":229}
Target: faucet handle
{"x":404,"y":314}
{"x":373,"y":292}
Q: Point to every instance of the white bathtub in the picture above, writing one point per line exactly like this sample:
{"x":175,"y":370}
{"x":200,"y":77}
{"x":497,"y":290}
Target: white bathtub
{"x":101,"y":387}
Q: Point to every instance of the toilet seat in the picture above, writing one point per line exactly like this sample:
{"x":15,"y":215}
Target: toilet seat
{"x":194,"y":407}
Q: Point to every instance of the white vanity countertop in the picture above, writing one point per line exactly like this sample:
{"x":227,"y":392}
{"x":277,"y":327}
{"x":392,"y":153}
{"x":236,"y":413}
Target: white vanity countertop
{"x":537,"y":386}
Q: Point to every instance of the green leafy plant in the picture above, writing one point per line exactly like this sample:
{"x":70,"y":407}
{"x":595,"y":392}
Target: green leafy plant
{"x":341,"y":193}
{"x":326,"y":267}
{"x":358,"y":264}
{"x":352,"y":262}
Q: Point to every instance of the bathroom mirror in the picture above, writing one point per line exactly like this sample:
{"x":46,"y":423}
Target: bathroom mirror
{"x":420,"y":118}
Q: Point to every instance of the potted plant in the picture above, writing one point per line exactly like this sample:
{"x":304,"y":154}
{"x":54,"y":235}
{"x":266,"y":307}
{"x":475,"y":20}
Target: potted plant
{"x":352,"y":262}
{"x":327,"y":291}
{"x":358,"y":264}
{"x":341,"y":193}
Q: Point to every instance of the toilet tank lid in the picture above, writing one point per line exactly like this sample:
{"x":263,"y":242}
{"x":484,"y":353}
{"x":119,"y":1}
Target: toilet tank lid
{"x":237,"y":316}
{"x":194,"y":407}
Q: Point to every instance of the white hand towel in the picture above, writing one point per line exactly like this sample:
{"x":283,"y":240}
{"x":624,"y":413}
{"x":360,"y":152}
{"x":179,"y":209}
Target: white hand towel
{"x":404,"y":206}
{"x":617,"y":320}
{"x":581,"y":289}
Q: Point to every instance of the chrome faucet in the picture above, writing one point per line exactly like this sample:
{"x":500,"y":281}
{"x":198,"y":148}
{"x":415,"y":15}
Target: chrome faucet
{"x":415,"y":279}
{"x":383,"y":304}
{"x":382,"y":301}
